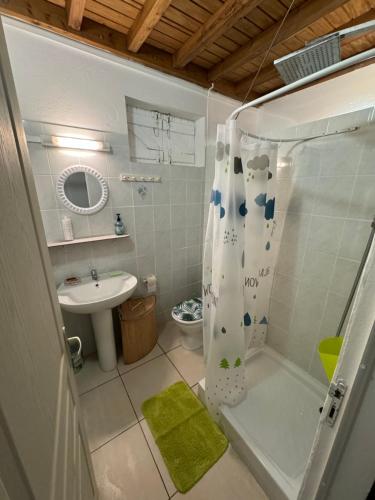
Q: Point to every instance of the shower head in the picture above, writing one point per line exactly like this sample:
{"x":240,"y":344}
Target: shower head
{"x":317,"y":55}
{"x":312,"y":58}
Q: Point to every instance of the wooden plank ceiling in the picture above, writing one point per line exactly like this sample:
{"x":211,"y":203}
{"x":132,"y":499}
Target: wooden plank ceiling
{"x":201,"y":41}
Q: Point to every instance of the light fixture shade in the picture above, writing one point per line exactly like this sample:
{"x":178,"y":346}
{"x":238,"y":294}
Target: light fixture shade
{"x":54,"y":141}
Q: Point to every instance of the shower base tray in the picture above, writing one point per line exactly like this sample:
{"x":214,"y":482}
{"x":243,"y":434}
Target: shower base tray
{"x":273,"y":428}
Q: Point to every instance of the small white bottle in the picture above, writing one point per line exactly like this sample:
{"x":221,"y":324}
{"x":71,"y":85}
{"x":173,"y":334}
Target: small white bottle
{"x":67,"y":227}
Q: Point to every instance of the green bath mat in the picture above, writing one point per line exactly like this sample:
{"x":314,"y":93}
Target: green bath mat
{"x":189,"y":440}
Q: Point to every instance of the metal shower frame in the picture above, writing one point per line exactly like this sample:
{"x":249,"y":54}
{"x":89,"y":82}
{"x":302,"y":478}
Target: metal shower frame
{"x":346,"y":63}
{"x":356,"y":280}
{"x":318,"y":53}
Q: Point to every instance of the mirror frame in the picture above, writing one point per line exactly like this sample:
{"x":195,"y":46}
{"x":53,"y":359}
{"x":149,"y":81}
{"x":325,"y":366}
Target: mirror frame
{"x":75,"y":208}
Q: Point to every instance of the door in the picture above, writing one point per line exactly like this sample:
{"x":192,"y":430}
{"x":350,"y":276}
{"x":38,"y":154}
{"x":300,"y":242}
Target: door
{"x":43,"y":449}
{"x":343,"y":456}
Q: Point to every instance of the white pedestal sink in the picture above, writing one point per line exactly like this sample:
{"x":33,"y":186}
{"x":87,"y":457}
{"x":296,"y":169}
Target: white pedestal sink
{"x":98,"y":298}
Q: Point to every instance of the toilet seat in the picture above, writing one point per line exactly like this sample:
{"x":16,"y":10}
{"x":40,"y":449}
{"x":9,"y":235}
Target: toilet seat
{"x":188,"y":311}
{"x":183,"y":322}
{"x":188,"y":316}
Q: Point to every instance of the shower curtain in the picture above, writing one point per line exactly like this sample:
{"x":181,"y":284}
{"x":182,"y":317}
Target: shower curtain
{"x":238,"y":260}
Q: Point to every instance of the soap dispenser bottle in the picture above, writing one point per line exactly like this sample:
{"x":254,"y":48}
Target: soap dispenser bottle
{"x":119,"y":225}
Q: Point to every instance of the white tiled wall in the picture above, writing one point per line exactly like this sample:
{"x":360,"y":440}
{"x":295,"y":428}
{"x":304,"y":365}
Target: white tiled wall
{"x":165,"y":226}
{"x":325,"y":204}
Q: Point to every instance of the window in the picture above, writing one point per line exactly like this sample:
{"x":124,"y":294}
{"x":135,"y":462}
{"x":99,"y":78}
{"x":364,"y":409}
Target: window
{"x":164,"y":138}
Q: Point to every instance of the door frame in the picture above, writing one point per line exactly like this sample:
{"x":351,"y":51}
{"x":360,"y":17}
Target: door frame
{"x":356,"y":366}
{"x":13,"y":476}
{"x":357,"y":453}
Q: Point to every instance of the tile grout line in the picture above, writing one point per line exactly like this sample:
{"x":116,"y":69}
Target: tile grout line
{"x":337,"y":254}
{"x":172,"y":348}
{"x":139,"y":420}
{"x":305,"y":250}
{"x":308,"y":232}
{"x":153,"y":458}
{"x":99,"y":385}
{"x":131,"y":402}
{"x":121,"y":374}
{"x":178,"y":371}
{"x":140,"y":426}
{"x":114,"y":437}
{"x":142,"y":364}
{"x":320,"y":175}
{"x":339,"y":217}
{"x":135,"y":414}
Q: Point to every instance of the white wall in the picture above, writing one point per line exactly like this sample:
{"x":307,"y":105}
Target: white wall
{"x":62,"y":81}
{"x":315,"y":110}
{"x":344,"y":94}
{"x":325,"y":202}
{"x":65,"y":82}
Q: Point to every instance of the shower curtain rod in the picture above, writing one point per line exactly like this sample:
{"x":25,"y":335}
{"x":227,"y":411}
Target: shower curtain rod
{"x":346,"y":63}
{"x":302,"y":139}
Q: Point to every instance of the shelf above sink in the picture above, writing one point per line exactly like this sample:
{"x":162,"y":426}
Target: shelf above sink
{"x":89,"y":239}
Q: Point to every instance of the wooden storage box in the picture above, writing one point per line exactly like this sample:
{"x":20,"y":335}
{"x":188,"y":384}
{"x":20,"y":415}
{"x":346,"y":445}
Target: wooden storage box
{"x":138,"y":328}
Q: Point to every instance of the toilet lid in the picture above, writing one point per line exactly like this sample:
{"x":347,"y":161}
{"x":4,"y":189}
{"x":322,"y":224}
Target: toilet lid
{"x":189,"y":310}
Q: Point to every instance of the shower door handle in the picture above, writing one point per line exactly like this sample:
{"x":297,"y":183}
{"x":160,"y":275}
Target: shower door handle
{"x":337,"y":392}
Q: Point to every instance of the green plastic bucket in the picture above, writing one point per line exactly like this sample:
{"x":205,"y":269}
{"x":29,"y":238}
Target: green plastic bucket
{"x":329,"y":351}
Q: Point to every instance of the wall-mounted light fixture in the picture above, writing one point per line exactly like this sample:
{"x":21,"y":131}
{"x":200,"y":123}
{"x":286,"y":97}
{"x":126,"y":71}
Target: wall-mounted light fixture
{"x":54,"y":141}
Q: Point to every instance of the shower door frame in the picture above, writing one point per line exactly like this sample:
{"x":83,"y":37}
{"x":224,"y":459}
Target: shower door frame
{"x":331,"y":442}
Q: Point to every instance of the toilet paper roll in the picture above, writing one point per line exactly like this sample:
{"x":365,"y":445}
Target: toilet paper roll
{"x":150,"y":283}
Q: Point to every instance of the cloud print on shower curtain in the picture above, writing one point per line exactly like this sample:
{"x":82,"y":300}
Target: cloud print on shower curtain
{"x":238,"y":261}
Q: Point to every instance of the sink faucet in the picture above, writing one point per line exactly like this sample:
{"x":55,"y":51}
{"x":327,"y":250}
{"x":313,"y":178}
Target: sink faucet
{"x":94,"y":274}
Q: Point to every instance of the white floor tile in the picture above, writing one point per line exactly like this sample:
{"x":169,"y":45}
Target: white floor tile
{"x":125,"y":470}
{"x":149,"y":379}
{"x":227,"y":479}
{"x":158,"y":459}
{"x":169,"y":336}
{"x":123,"y":368}
{"x":189,"y":363}
{"x":92,"y":375}
{"x":107,"y":411}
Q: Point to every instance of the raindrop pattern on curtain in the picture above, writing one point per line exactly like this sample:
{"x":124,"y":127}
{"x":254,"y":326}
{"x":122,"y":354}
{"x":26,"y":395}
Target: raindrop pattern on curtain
{"x":238,"y":261}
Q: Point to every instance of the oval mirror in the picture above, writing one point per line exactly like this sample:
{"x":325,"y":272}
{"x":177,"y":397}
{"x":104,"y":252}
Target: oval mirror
{"x":82,"y":189}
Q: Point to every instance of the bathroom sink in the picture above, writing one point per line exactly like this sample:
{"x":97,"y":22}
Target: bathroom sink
{"x":98,"y":297}
{"x":92,"y":296}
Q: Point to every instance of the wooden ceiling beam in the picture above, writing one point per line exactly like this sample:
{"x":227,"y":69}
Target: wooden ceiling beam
{"x":53,"y":18}
{"x":298,"y":19}
{"x":74,"y":10}
{"x":266,"y":74}
{"x":270,"y":72}
{"x":145,"y":22}
{"x":222,"y":20}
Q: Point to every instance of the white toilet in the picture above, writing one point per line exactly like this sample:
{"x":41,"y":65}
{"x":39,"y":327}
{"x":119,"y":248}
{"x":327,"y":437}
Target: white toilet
{"x":188,"y":316}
